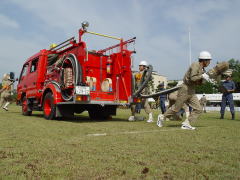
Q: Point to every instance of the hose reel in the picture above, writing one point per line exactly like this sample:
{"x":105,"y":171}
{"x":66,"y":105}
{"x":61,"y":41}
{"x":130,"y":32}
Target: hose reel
{"x":71,"y":75}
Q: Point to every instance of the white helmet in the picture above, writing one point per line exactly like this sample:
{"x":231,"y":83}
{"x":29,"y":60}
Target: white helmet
{"x":143,"y":63}
{"x":205,"y":55}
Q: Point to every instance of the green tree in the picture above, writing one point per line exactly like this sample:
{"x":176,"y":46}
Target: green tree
{"x":172,"y":84}
{"x":207,"y":88}
{"x":235,"y":66}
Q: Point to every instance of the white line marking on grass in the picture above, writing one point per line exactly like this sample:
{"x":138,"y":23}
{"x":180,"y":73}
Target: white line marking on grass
{"x":103,"y":134}
{"x":132,"y":132}
{"x":141,"y":132}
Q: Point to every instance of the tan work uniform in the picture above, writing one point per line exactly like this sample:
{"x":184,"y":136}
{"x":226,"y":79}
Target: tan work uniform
{"x":172,"y":97}
{"x":203,"y":102}
{"x":186,"y":93}
{"x":144,"y":101}
{"x":6,"y":94}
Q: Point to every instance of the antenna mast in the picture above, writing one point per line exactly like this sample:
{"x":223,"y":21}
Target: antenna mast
{"x":190,"y":48}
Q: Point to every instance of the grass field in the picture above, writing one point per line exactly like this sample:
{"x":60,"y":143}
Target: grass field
{"x":35,"y":148}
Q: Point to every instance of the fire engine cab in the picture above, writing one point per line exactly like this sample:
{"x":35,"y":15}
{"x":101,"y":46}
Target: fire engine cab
{"x":68,"y":79}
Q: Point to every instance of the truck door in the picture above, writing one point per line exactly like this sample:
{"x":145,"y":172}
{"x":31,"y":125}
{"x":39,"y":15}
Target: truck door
{"x":22,"y":84}
{"x":32,"y":78}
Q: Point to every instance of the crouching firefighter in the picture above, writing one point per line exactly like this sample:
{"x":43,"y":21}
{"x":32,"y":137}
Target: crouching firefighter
{"x":186,"y":94}
{"x":139,"y":78}
{"x":6,"y":91}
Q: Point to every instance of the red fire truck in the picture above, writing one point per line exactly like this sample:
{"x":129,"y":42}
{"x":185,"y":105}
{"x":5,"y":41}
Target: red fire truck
{"x":68,"y":79}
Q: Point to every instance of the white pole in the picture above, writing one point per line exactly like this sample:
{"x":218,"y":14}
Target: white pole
{"x":190,"y":48}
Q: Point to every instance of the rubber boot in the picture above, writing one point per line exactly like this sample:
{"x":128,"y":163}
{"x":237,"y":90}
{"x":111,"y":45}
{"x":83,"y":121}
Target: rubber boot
{"x":187,"y":115}
{"x":233,"y":116}
{"x":131,"y":118}
{"x":6,"y":105}
{"x":222,"y":116}
{"x":150,"y":118}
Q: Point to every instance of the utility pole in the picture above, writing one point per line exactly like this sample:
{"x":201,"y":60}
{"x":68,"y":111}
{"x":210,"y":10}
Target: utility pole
{"x":190,"y":48}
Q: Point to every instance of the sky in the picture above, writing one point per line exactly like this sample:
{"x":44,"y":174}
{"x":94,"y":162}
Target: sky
{"x":161,"y":27}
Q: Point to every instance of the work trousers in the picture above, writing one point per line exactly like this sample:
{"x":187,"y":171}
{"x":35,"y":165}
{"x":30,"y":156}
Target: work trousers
{"x":162,"y":105}
{"x":138,"y":107}
{"x":145,"y":104}
{"x":204,"y":107}
{"x":227,"y":99}
{"x":5,"y":97}
{"x":185,"y":95}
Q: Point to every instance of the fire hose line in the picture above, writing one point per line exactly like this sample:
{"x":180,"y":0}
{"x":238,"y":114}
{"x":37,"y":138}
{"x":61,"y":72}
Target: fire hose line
{"x":167,"y":91}
{"x":144,"y":80}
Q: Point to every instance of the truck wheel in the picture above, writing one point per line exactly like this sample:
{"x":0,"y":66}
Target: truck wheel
{"x":49,"y":108}
{"x":25,"y":107}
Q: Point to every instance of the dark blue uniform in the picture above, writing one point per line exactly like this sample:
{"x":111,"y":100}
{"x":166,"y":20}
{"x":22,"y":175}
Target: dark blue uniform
{"x":163,"y":98}
{"x":227,"y":97}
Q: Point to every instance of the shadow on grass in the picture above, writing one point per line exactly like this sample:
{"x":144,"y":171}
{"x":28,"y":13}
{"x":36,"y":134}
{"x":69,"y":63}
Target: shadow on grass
{"x":84,"y":119}
{"x":77,"y":119}
{"x":180,"y":124}
{"x":225,"y":119}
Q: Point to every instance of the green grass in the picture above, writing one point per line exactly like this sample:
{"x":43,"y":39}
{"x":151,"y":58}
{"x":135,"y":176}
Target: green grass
{"x":35,"y":148}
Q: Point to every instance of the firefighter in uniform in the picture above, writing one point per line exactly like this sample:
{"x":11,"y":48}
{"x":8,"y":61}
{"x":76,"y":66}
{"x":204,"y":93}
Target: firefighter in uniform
{"x":203,"y":102}
{"x":227,"y":97}
{"x":138,"y":76}
{"x":186,"y":94}
{"x":6,"y":92}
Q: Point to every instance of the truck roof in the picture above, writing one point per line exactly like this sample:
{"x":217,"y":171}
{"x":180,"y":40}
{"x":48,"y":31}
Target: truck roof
{"x":36,"y":55}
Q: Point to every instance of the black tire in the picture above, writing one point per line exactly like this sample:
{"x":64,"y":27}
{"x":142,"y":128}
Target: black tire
{"x":25,"y":107}
{"x":49,"y":108}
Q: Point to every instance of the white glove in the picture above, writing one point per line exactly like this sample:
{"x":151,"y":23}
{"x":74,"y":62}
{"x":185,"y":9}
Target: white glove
{"x":206,"y":77}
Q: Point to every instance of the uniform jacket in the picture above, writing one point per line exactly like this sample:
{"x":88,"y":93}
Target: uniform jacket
{"x":228,"y":85}
{"x":193,"y":76}
{"x":138,"y":76}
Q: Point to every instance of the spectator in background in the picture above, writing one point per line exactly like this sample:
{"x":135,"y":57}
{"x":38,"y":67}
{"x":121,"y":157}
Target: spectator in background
{"x":203,"y":102}
{"x":227,"y":88}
